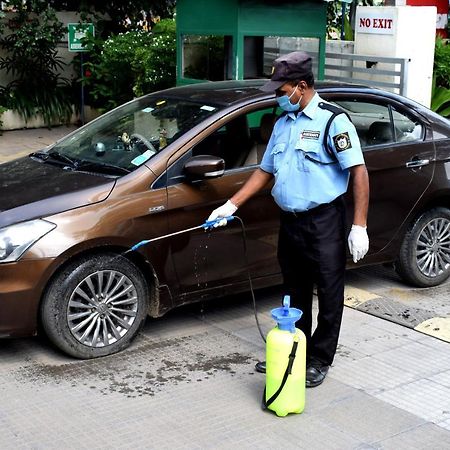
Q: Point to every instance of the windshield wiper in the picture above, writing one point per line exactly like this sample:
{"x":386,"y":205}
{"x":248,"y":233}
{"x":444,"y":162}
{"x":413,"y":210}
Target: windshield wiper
{"x":55,"y":157}
{"x":39,"y":155}
{"x":79,"y":164}
{"x":100,"y":167}
{"x":63,"y":158}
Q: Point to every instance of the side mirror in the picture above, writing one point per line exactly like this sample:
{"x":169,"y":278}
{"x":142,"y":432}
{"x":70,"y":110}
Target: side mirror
{"x":204,"y":166}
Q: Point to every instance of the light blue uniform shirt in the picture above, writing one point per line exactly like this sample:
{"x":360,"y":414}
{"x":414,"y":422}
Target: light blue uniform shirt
{"x":301,"y":184}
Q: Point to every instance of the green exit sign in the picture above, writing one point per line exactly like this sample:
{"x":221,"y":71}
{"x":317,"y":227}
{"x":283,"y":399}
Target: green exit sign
{"x":78,"y":31}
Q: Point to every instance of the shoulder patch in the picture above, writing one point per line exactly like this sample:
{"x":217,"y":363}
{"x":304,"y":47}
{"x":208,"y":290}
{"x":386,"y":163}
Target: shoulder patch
{"x":342,"y":142}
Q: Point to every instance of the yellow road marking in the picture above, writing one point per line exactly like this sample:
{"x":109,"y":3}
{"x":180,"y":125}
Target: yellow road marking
{"x":353,"y":297}
{"x":437,"y":326}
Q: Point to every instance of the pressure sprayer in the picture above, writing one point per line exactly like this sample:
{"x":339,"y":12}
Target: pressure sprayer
{"x":285,"y":347}
{"x":285,"y":363}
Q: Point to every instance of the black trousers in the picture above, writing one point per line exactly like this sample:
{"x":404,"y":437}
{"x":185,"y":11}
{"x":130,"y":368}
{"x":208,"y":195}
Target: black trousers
{"x":312,"y":251}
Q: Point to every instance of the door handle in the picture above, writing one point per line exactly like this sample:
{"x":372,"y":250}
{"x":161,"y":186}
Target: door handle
{"x":417,"y":163}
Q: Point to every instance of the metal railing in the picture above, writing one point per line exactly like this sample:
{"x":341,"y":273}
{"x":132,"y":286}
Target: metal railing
{"x":377,"y":71}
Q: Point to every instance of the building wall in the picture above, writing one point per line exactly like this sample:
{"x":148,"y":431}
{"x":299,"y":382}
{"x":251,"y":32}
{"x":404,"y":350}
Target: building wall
{"x":411,"y":36}
{"x":68,"y":71}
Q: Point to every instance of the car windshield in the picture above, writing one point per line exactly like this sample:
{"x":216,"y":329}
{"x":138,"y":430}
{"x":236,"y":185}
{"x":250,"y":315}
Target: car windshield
{"x":130,"y":135}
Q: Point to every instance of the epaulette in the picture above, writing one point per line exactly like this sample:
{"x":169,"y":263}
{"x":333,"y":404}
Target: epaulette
{"x":335,"y":111}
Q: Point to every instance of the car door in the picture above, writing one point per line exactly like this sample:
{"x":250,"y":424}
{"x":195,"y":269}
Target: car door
{"x":208,"y":259}
{"x":399,"y":156}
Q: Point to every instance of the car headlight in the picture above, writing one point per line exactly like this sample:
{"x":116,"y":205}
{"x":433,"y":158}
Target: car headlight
{"x":15,"y":240}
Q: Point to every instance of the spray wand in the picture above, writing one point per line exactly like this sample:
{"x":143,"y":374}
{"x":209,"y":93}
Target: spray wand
{"x":208,"y":225}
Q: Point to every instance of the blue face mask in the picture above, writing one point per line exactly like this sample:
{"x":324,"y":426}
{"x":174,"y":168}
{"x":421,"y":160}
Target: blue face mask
{"x":285,"y":102}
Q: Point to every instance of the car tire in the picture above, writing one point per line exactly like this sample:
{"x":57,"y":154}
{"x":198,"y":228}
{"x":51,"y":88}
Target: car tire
{"x":424,"y":258}
{"x":95,"y":306}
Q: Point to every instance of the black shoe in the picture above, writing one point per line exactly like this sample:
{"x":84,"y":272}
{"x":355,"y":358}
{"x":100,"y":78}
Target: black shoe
{"x":260,"y":367}
{"x":315,"y":375}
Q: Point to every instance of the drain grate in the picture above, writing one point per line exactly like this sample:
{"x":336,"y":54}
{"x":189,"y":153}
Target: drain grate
{"x":395,"y":312}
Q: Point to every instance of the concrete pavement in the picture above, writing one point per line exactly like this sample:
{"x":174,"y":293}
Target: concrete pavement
{"x":188,"y":381}
{"x":17,"y":143}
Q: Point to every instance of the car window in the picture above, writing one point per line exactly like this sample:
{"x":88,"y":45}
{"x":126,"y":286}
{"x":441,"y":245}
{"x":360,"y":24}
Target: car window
{"x":242,"y":141}
{"x":378,"y":124}
{"x":406,"y":129}
{"x":129,"y":136}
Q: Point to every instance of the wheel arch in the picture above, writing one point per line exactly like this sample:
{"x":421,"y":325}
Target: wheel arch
{"x":145,"y":267}
{"x":440,"y":200}
{"x":407,"y":270}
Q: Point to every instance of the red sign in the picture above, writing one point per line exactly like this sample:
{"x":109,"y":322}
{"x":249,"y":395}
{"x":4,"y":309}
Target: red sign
{"x":367,"y":22}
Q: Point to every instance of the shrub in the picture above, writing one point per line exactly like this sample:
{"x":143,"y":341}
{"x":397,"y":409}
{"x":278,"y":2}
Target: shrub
{"x":2,"y":110}
{"x":32,"y":59}
{"x":442,"y":63}
{"x":110,"y":73}
{"x":440,"y":96}
{"x":156,"y":65}
{"x":130,"y":64}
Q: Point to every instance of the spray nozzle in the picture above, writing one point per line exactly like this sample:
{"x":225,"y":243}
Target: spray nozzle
{"x":210,"y":223}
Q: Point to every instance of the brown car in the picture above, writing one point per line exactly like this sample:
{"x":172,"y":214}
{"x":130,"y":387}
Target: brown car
{"x":161,"y":164}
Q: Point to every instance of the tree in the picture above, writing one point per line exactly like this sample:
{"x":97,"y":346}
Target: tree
{"x":30,"y":56}
{"x":339,"y":26}
{"x":119,"y":10}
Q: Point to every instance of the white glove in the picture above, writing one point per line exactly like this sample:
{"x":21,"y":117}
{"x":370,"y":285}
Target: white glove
{"x":358,"y":242}
{"x":226,"y":210}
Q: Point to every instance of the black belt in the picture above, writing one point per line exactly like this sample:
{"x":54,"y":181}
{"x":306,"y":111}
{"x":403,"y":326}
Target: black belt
{"x":309,"y":212}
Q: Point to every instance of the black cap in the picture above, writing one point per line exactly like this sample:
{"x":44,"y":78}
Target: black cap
{"x":292,"y":66}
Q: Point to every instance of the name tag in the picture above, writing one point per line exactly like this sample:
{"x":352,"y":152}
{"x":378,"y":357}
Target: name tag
{"x":308,"y":134}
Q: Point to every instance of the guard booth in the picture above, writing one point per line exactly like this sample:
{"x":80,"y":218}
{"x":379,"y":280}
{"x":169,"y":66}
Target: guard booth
{"x":239,"y":39}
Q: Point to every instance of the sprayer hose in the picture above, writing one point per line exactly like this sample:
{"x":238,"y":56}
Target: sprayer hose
{"x":244,"y":243}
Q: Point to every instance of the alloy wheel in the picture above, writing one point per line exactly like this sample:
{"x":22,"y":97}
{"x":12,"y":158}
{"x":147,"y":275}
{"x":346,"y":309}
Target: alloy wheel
{"x":433,"y":247}
{"x":102,"y":308}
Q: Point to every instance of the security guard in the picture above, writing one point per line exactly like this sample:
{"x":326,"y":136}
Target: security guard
{"x":313,"y":151}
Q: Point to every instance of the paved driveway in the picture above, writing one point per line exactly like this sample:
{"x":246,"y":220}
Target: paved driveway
{"x":188,"y":382}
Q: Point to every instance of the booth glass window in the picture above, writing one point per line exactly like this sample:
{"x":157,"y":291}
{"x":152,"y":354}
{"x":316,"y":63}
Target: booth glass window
{"x":207,"y":57}
{"x":261,"y":51}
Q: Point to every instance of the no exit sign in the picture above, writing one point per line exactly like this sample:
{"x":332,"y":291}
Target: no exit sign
{"x":375,"y":22}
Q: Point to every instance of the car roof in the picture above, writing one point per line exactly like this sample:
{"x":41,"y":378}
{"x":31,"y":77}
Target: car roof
{"x":231,"y":93}
{"x":227,"y":93}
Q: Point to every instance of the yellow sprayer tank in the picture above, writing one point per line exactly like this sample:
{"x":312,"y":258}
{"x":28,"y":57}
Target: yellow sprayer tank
{"x":285,"y":363}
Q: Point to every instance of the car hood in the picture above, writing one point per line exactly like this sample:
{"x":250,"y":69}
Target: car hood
{"x":30,"y":189}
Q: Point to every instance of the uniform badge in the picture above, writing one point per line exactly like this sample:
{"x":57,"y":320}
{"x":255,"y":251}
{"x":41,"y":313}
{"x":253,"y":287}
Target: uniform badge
{"x":342,"y":142}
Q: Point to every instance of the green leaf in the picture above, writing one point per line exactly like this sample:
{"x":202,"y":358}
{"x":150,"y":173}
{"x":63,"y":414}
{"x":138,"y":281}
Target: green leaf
{"x":348,"y":32}
{"x":444,"y":112}
{"x":440,"y":97}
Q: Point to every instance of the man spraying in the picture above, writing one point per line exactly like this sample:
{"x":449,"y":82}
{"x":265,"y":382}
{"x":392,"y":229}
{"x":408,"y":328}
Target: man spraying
{"x":312,"y":153}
